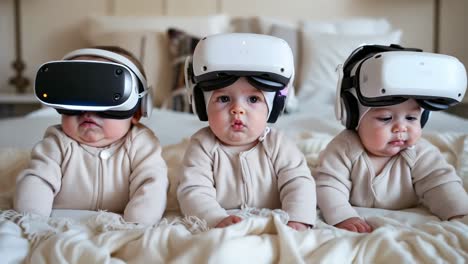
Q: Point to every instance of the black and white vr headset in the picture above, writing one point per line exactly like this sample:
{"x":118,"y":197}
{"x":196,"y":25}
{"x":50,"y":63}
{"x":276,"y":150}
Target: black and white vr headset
{"x":219,"y":60}
{"x":378,"y":75}
{"x":114,"y":89}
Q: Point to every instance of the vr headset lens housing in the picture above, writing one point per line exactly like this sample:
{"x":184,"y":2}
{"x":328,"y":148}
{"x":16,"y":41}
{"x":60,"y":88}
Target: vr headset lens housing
{"x":436,"y":81}
{"x":72,"y":87}
{"x":226,"y":80}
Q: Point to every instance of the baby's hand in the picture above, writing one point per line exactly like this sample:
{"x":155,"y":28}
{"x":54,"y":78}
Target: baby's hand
{"x":355,"y":224}
{"x":297,"y":226}
{"x":230,"y":220}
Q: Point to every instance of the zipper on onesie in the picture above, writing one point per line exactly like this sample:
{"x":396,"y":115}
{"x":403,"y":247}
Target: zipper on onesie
{"x":245,"y":198}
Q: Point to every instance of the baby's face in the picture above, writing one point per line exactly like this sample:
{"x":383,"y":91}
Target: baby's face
{"x":93,"y":130}
{"x":385,"y":131}
{"x":237,"y":114}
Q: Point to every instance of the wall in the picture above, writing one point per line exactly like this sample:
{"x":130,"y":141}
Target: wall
{"x":51,"y":28}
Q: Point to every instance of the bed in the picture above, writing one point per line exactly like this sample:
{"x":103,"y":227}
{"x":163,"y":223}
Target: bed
{"x":406,"y":236}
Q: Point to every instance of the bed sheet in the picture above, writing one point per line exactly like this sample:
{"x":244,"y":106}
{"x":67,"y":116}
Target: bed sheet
{"x":72,"y":236}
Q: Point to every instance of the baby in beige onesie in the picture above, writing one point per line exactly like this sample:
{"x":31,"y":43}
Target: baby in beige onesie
{"x":93,"y":161}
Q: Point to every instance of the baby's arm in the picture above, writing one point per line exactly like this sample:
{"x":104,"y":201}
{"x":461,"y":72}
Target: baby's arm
{"x":437,"y":183}
{"x":148,"y":181}
{"x":295,"y":184}
{"x":33,"y":195}
{"x":196,"y":192}
{"x":334,"y":184}
{"x":37,"y":185}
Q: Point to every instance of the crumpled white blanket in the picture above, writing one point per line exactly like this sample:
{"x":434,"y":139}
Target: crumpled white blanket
{"x":406,"y":236}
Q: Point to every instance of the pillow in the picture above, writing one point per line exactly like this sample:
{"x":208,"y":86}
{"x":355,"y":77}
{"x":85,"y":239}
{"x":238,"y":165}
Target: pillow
{"x":143,"y":45}
{"x":323,"y":52}
{"x":355,"y":25}
{"x":181,"y":45}
{"x":145,"y":36}
{"x":244,"y":24}
{"x":265,"y":24}
{"x":196,"y":25}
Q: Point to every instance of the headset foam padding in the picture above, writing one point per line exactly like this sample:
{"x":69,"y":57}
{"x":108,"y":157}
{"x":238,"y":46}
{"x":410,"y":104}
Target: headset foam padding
{"x":351,"y":119}
{"x":278,"y":105}
{"x":350,"y":106}
{"x":199,"y":103}
{"x":424,"y":117}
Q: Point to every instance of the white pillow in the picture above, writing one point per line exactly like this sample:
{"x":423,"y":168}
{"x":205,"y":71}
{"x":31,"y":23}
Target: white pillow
{"x":323,"y":52}
{"x":146,"y":38}
{"x":194,"y":25}
{"x":352,"y":26}
{"x":265,"y":24}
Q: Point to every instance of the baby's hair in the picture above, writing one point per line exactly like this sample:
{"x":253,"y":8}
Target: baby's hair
{"x":125,"y":53}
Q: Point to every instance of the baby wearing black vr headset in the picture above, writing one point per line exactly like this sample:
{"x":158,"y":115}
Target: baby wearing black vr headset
{"x":384,"y":97}
{"x":238,"y":82}
{"x":100,"y":157}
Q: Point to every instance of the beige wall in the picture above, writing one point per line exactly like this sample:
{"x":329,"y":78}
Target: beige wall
{"x":51,"y":28}
{"x":454,"y":29}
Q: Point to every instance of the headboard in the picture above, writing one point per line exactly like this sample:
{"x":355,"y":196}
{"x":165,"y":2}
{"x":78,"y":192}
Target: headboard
{"x":52,"y":28}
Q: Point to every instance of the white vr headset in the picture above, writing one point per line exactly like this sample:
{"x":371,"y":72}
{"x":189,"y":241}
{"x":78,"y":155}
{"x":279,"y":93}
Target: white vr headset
{"x":111,"y":89}
{"x":219,"y":60}
{"x":376,"y":75}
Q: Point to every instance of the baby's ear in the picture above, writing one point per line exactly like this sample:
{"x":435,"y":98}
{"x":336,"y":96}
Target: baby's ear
{"x":136,"y":117}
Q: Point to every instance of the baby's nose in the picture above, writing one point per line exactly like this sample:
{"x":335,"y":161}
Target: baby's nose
{"x":237,"y":109}
{"x":399,"y":128}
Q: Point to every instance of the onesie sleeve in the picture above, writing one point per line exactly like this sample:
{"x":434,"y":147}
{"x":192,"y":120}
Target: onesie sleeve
{"x":37,"y":185}
{"x":437,"y":184}
{"x":148,"y":180}
{"x":333,"y":180}
{"x":295,"y":182}
{"x":196,"y":192}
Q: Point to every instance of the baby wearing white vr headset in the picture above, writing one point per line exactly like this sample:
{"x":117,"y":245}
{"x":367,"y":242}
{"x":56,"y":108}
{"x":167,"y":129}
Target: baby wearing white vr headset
{"x":100,"y":157}
{"x":238,"y":82}
{"x":384,"y":96}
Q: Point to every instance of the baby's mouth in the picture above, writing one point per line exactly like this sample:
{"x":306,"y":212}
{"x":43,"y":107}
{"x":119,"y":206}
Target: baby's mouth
{"x":237,"y":124}
{"x":399,"y":140}
{"x":88,"y":122}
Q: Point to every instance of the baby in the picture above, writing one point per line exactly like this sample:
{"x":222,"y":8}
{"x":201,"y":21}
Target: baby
{"x":238,"y":162}
{"x":381,"y":161}
{"x":97,"y":160}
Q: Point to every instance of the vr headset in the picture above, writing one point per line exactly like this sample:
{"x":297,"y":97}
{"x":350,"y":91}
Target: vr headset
{"x":219,"y":60}
{"x":377,"y":75}
{"x":114,"y":89}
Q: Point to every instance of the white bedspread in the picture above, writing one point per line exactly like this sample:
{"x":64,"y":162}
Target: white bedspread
{"x":406,"y":236}
{"x":409,"y":236}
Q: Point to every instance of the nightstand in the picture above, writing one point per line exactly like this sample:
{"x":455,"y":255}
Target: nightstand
{"x":12,"y":104}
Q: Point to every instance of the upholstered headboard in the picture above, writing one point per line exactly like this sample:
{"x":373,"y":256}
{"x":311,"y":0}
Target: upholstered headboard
{"x":52,"y":28}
